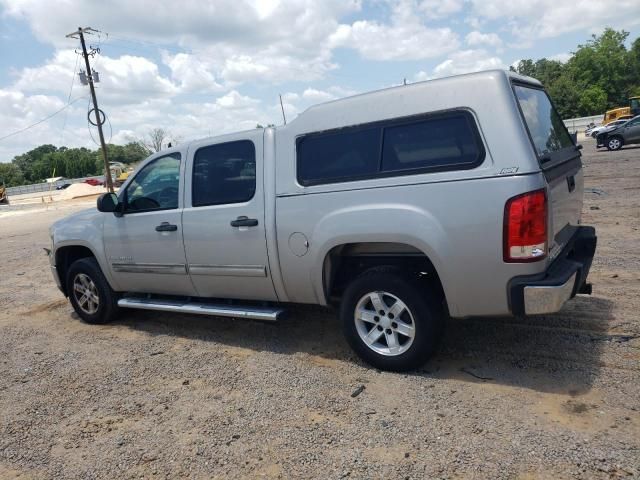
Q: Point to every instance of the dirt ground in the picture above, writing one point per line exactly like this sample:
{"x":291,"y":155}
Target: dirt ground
{"x":166,"y":395}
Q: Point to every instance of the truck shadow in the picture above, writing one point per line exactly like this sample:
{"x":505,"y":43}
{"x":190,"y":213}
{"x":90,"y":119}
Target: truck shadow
{"x":555,"y":353}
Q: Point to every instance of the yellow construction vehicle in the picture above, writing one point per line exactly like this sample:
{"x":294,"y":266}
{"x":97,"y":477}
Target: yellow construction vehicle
{"x":621,"y":113}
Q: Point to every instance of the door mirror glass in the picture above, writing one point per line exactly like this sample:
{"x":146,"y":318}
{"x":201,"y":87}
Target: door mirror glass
{"x":107,"y":202}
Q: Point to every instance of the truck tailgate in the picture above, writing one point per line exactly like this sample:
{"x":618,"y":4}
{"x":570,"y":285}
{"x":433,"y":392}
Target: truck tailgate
{"x":565,"y":192}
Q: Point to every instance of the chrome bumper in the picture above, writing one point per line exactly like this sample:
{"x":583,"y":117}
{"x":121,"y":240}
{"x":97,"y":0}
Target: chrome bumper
{"x":547,"y":299}
{"x":548,"y":291}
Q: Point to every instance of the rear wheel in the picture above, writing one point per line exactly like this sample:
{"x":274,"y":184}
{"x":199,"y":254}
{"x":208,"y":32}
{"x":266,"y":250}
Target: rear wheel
{"x":391,"y":321}
{"x":614,"y":143}
{"x":89,"y":292}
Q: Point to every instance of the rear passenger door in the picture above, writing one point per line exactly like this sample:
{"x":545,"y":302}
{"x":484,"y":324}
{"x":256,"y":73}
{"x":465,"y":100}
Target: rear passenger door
{"x":223,"y":222}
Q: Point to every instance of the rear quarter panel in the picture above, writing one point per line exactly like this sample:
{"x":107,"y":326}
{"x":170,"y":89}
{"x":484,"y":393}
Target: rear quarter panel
{"x":458,"y":225}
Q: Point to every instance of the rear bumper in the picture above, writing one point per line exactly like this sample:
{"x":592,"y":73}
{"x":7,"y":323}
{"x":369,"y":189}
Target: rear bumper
{"x":566,"y":276}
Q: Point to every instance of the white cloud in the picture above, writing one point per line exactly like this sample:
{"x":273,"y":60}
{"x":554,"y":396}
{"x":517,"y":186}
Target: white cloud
{"x":421,"y":76}
{"x":551,"y":18}
{"x":404,"y":38}
{"x":231,"y":41}
{"x":436,"y":9}
{"x":122,"y":80}
{"x":467,"y":61}
{"x":560,"y":57}
{"x":477,"y":38}
{"x":191,"y":73}
{"x":233,"y":100}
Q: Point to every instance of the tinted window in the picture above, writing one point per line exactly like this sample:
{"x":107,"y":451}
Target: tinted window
{"x":224,"y":173}
{"x":395,"y":147}
{"x":439,"y":142}
{"x":156,"y":186}
{"x":547,"y":131}
{"x":334,"y":156}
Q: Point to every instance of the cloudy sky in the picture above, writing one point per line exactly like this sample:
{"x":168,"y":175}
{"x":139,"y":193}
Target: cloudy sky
{"x":206,"y":67}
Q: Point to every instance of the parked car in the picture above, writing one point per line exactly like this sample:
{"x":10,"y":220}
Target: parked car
{"x":455,"y":197}
{"x":610,"y":126}
{"x":64,"y":186}
{"x":624,"y":134}
{"x":94,"y":182}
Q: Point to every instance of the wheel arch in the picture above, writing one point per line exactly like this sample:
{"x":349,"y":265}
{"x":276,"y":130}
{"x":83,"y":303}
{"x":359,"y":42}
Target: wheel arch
{"x":345,"y":261}
{"x":66,"y":254}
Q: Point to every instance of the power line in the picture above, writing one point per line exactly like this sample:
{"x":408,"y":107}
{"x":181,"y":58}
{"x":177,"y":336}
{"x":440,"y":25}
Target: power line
{"x":64,"y":122}
{"x":42,"y":120}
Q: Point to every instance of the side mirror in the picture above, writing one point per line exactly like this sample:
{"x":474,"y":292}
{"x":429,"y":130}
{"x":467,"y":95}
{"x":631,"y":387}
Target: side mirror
{"x":108,"y":202}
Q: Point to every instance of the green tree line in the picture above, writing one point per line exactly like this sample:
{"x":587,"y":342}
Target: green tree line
{"x":50,"y":161}
{"x":600,"y":75}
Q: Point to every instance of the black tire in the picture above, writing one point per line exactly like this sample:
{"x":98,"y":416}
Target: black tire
{"x":422,"y":302}
{"x":614,"y":143}
{"x":107,"y":308}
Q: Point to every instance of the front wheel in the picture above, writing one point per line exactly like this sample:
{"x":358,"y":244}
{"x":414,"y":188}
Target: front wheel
{"x":614,"y":143}
{"x":89,"y":292}
{"x":391,"y":321}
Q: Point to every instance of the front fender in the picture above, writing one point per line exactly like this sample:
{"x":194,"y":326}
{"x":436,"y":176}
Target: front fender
{"x":84,"y":230}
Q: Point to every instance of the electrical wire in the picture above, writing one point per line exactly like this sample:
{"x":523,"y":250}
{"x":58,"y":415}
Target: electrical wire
{"x":43,"y":119}
{"x":73,"y":78}
{"x":106,"y":119}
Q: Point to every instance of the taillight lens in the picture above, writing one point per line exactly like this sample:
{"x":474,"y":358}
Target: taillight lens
{"x":525,"y":227}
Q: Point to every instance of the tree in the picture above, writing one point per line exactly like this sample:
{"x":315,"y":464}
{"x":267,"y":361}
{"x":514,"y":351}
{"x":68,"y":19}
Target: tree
{"x":592,"y":99}
{"x":156,"y":139}
{"x":11,"y":175}
{"x":603,"y":61}
{"x":27,"y":161}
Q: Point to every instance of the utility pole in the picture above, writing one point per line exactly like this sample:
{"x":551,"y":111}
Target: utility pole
{"x":80,"y":34}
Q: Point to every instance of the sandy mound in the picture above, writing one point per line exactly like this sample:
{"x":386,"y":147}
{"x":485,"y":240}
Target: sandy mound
{"x":81,"y":190}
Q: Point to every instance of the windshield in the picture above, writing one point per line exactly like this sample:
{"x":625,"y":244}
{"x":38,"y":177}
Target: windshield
{"x":545,"y":126}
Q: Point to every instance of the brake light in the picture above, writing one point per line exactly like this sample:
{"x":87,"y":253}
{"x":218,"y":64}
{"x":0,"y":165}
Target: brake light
{"x":525,"y":227}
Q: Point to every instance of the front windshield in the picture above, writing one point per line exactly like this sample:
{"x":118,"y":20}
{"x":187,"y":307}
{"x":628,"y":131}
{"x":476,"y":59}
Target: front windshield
{"x":546,"y":128}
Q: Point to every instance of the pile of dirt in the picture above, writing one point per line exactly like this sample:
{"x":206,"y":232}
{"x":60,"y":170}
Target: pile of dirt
{"x":81,"y":190}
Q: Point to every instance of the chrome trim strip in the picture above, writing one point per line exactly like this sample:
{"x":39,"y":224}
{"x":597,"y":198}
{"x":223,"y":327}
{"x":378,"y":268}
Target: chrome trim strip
{"x":540,"y":299}
{"x":270,"y":314}
{"x":228,"y":270}
{"x":170,"y":268}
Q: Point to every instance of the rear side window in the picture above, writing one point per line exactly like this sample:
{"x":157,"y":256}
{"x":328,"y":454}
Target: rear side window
{"x":397,"y":147}
{"x":224,"y":173}
{"x":547,"y":131}
{"x":333,"y":156}
{"x":436,"y":143}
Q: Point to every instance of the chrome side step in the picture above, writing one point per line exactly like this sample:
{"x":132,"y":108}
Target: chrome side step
{"x":269,"y":314}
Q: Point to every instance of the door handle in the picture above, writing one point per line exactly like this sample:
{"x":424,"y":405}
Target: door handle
{"x":244,"y":222}
{"x":571,"y":183}
{"x":166,"y":227}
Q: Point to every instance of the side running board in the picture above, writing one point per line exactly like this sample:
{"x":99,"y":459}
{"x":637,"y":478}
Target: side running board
{"x":269,"y":314}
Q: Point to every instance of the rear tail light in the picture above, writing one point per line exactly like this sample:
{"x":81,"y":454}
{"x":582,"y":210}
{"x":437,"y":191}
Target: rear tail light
{"x":525,"y":227}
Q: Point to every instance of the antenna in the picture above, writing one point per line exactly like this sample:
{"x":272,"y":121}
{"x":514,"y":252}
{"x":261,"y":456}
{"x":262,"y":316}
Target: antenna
{"x":282,"y":107}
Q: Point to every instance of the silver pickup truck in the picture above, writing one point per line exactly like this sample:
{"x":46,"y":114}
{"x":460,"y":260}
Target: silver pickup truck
{"x":455,"y":197}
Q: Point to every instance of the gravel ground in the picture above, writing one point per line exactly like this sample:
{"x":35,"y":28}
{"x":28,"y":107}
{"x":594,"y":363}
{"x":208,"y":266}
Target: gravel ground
{"x":167,"y":395}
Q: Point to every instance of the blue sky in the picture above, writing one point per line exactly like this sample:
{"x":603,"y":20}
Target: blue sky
{"x":199,"y":68}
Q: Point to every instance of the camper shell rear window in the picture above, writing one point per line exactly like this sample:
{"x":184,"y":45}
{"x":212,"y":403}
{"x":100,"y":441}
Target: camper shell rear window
{"x":550,"y":138}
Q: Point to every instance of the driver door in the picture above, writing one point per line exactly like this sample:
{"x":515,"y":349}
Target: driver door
{"x":144,"y":246}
